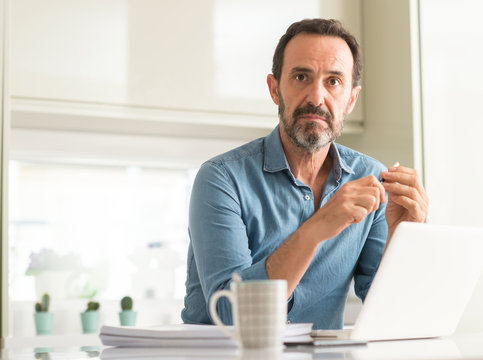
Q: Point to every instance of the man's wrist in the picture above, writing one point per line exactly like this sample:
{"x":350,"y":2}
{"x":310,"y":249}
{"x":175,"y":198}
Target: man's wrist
{"x":310,"y":233}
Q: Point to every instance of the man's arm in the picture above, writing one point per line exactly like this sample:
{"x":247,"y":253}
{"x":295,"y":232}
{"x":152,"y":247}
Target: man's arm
{"x":218,"y":235}
{"x":349,"y":205}
{"x":408,"y":201}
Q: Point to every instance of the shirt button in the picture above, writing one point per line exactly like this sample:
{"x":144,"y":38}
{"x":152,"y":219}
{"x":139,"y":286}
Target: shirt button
{"x":307,"y":197}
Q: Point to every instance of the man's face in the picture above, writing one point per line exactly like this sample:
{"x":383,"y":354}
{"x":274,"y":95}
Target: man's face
{"x":315,"y":91}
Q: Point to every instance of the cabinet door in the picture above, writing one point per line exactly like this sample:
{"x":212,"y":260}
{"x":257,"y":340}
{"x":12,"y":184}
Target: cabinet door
{"x":208,"y":57}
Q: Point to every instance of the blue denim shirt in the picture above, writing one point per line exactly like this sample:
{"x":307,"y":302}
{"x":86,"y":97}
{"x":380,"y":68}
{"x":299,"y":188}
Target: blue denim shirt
{"x":246,"y":203}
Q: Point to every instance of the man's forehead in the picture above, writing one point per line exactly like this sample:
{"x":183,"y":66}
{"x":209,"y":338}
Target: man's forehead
{"x":307,"y":48}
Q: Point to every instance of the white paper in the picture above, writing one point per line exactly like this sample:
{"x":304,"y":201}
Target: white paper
{"x":186,"y":335}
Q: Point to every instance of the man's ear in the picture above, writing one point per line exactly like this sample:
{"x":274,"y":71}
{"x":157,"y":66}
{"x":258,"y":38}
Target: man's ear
{"x":273,"y":88}
{"x":354,"y":95}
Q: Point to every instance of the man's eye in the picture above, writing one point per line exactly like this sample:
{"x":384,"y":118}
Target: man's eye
{"x":334,"y":81}
{"x":300,"y":77}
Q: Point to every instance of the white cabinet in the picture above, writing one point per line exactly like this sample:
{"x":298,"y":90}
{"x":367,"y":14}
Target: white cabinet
{"x":175,"y":62}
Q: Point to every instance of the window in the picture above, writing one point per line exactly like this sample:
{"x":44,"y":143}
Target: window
{"x":100,"y":215}
{"x":81,"y":231}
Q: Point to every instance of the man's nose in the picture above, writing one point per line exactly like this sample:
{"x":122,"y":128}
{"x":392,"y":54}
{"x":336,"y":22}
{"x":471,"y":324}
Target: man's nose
{"x":317,"y":94}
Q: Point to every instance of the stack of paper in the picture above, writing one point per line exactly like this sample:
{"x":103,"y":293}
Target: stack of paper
{"x":186,"y":335}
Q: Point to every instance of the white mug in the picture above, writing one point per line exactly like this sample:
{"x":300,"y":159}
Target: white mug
{"x":259,"y":310}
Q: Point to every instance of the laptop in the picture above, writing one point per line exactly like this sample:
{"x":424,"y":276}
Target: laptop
{"x":423,"y":284}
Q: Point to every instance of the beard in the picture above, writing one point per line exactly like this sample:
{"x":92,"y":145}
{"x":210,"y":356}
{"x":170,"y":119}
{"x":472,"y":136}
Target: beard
{"x":309,"y":136}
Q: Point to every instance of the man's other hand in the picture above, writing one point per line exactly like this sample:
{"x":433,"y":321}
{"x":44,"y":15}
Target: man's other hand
{"x":408,"y":200}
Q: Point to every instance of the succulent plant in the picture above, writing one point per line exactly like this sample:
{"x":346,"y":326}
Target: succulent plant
{"x":38,"y":307}
{"x":92,"y":306}
{"x":43,"y":305}
{"x":126,"y":303}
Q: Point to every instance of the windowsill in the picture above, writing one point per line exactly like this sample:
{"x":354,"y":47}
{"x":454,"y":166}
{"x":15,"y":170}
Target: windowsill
{"x":53,"y":341}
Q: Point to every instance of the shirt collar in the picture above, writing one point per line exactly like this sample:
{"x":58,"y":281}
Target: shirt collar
{"x":275,"y":159}
{"x":338,"y":162}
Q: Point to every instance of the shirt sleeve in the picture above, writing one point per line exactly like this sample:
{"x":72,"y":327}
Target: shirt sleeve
{"x":371,"y":254}
{"x":218,"y":235}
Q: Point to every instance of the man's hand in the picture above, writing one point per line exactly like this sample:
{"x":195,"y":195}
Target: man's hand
{"x":349,"y":205}
{"x":408,"y":200}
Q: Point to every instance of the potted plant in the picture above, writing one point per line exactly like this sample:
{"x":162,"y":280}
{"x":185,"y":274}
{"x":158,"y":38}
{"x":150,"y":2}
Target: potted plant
{"x":43,"y":318}
{"x":127,"y":316}
{"x":90,"y":318}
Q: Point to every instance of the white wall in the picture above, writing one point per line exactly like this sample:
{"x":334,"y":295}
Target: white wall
{"x":451,"y":38}
{"x":452,"y":74}
{"x":391,"y":119}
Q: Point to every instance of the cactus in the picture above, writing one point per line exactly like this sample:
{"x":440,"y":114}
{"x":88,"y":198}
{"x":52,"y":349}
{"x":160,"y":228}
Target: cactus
{"x":126,"y":303}
{"x":45,"y":302}
{"x":92,"y":306}
{"x":43,"y":305}
{"x":38,"y":307}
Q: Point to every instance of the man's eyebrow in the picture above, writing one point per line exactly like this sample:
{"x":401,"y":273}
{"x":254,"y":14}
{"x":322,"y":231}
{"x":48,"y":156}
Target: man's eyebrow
{"x":336,"y":73}
{"x":302,"y":69}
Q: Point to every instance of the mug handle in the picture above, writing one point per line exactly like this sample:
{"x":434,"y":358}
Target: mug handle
{"x":214,"y":313}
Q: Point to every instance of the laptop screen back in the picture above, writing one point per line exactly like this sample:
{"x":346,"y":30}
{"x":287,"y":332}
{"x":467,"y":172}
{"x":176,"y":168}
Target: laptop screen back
{"x":423,"y":284}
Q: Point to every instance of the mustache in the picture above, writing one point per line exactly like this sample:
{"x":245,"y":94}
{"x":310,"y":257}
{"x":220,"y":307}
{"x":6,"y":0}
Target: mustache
{"x":311,"y":109}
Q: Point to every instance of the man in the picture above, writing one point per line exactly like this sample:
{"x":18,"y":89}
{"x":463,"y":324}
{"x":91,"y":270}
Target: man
{"x":294,"y":205}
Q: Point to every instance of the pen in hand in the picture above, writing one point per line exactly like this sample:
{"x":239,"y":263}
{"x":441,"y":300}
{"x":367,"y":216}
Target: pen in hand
{"x":396,"y":164}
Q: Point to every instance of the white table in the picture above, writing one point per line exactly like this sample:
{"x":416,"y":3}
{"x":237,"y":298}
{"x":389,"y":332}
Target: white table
{"x":461,"y":346}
